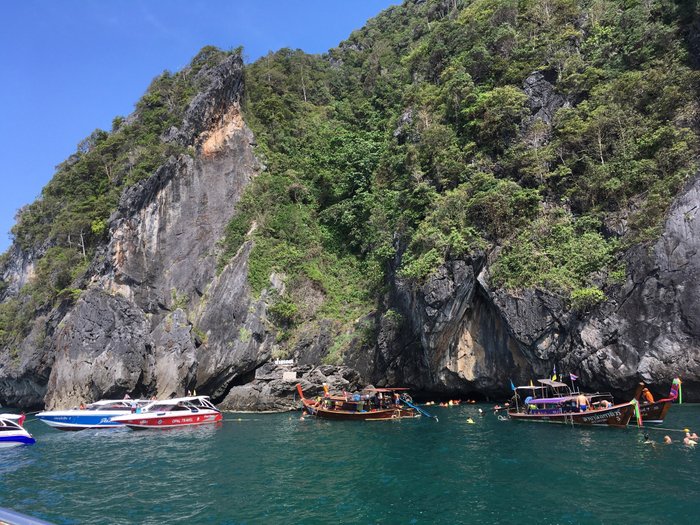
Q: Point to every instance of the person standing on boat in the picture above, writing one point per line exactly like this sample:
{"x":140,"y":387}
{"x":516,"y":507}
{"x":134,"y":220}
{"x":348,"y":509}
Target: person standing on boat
{"x":582,"y":402}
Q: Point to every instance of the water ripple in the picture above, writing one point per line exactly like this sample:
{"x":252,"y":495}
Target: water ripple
{"x":279,"y":469}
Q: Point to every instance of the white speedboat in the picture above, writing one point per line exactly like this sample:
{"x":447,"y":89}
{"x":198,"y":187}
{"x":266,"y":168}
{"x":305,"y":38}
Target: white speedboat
{"x":95,"y":415}
{"x":12,"y":433}
{"x":169,"y":413}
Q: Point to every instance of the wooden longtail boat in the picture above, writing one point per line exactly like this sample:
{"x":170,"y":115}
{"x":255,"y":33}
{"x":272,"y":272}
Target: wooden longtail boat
{"x":557,"y":404}
{"x":375,"y":404}
{"x":654,"y":412}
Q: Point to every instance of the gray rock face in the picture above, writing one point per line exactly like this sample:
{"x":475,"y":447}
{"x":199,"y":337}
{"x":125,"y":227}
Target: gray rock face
{"x":456,"y":334}
{"x":446,"y":336}
{"x":543,"y":101}
{"x":156,"y":319}
{"x":175,"y":355}
{"x":236,"y":338}
{"x":162,"y":249}
{"x":651,"y":328}
{"x":274,"y":386}
{"x":17,"y":270}
{"x":24,"y":372}
{"x":313,"y":343}
{"x":102,"y":349}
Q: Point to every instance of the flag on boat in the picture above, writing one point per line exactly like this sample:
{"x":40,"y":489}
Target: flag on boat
{"x":512,"y":386}
{"x":554,"y":373}
{"x":573,"y":377}
{"x":531,"y":383}
{"x":676,"y":390}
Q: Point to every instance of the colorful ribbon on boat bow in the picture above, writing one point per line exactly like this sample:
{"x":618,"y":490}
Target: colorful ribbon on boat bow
{"x":637,"y":414}
{"x":677,"y":390}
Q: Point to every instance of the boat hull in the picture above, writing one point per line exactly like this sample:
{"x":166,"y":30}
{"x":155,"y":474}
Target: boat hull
{"x":155,"y":421}
{"x":615,"y":416}
{"x":71,"y":420}
{"x":371,"y":415}
{"x":16,"y":439}
{"x":654,"y":413}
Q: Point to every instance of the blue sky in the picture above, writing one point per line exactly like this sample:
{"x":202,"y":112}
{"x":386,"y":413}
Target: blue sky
{"x":71,"y":66}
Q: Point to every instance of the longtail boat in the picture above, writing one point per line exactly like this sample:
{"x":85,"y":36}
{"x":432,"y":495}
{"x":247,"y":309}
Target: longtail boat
{"x":554,"y":402}
{"x":653,"y":411}
{"x":372,"y":404}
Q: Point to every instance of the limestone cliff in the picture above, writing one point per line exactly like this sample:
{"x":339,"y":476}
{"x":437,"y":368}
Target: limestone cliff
{"x":364,"y":145}
{"x":156,"y":318}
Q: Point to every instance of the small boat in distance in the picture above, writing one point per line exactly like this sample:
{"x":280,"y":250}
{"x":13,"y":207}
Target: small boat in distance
{"x":554,"y":402}
{"x":652,"y":411}
{"x":94,"y":415}
{"x":372,"y":404}
{"x":169,"y":413}
{"x":12,"y":434}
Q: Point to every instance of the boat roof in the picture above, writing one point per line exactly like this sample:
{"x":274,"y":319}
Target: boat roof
{"x":530,"y":387}
{"x":549,"y":400}
{"x":553,"y":384}
{"x":176,"y":400}
{"x":112,"y":401}
{"x":13,"y":417}
{"x":396,"y":389}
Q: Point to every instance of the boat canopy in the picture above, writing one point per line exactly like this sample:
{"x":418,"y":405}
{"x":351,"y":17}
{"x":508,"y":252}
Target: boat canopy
{"x":553,"y":384}
{"x":384,"y":390}
{"x":163,"y":404}
{"x":549,"y":400}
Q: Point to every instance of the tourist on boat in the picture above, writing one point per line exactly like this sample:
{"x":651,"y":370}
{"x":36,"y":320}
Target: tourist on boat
{"x":646,"y":396}
{"x":82,"y":406}
{"x":582,"y":402}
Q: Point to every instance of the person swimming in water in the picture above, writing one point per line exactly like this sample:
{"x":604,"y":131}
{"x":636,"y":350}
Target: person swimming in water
{"x":667,"y":440}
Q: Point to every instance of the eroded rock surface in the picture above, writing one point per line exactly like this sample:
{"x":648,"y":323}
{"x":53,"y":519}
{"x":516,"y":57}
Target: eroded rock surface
{"x":273,"y":387}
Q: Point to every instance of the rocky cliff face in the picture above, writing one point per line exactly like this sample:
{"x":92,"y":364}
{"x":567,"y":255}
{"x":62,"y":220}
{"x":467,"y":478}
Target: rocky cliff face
{"x":455,"y":333}
{"x":650,"y":330}
{"x":157,"y":318}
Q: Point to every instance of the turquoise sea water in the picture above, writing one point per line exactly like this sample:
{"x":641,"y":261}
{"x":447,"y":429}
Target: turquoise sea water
{"x":277,"y":469}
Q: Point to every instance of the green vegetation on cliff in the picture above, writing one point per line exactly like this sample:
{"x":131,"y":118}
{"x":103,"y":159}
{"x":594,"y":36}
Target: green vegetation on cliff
{"x":416,"y":135}
{"x":413,"y":142}
{"x":70,"y":219}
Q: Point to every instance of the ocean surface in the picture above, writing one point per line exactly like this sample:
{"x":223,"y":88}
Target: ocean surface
{"x":276,"y":468}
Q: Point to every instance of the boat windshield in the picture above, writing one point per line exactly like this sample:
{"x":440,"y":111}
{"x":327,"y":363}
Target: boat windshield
{"x":163,"y":407}
{"x":6,"y":425}
{"x":116,"y":405}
